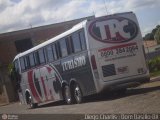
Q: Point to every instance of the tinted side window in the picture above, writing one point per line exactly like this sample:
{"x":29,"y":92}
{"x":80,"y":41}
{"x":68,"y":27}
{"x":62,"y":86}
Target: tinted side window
{"x":76,"y":42}
{"x":63,"y":47}
{"x":16,"y":66}
{"x":71,"y":44}
{"x":57,"y":49}
{"x":82,"y":38}
{"x":54,"y":52}
{"x":31,"y":60}
{"x":36,"y":57}
{"x":26,"y":62}
{"x":41,"y":56}
{"x":49,"y":53}
{"x":22,"y":64}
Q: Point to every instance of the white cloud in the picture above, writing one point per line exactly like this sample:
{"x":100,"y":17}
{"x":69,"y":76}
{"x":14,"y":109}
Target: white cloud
{"x":146,"y":30}
{"x":131,"y":5}
{"x":4,"y":4}
{"x":37,"y":12}
{"x":140,"y":4}
{"x":19,"y":15}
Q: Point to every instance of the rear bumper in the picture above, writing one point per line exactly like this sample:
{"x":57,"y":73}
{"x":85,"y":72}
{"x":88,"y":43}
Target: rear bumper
{"x":125,"y":83}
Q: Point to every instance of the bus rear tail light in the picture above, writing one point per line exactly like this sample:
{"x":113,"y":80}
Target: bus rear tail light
{"x":144,"y":53}
{"x":93,"y":61}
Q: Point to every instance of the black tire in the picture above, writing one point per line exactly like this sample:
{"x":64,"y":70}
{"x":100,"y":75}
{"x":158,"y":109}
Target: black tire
{"x":67,"y":94}
{"x":122,"y":91}
{"x":31,"y":104}
{"x":78,"y":94}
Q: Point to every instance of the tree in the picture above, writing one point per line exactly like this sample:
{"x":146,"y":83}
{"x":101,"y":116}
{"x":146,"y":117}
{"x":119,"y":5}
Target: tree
{"x":151,"y":36}
{"x":157,"y":35}
{"x":155,"y":29}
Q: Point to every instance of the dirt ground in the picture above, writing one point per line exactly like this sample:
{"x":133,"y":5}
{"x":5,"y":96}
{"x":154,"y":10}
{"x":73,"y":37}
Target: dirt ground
{"x":142,"y":99}
{"x":3,"y":100}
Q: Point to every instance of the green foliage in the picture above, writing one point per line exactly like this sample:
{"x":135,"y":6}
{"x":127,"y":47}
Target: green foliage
{"x":155,"y":29}
{"x":154,"y":64}
{"x":10,"y":68}
{"x":154,"y":74}
{"x":157,"y":35}
{"x":151,"y":36}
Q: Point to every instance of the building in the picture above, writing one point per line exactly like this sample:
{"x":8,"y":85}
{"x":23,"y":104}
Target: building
{"x":149,"y":43}
{"x":15,"y":42}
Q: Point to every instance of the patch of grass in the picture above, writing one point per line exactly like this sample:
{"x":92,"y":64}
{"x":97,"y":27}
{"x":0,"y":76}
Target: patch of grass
{"x":155,"y":73}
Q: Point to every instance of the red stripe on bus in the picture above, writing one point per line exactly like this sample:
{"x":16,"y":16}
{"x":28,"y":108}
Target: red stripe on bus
{"x":49,"y":69}
{"x":44,"y":87}
{"x":32,"y":87}
{"x":119,"y":46}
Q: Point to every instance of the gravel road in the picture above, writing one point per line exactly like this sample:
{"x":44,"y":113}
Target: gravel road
{"x":143,"y":99}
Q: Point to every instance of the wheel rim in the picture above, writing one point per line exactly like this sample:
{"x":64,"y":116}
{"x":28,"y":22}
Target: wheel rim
{"x":77,"y":93}
{"x":67,"y":94}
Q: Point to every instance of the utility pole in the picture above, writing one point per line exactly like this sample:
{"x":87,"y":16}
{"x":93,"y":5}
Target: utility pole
{"x":105,"y":7}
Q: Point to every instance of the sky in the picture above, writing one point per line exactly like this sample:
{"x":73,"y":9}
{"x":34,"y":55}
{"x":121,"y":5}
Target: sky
{"x":22,"y":14}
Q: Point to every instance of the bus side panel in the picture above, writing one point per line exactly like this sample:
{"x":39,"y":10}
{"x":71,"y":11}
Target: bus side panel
{"x":78,"y":68}
{"x":51,"y":83}
{"x":43,"y":84}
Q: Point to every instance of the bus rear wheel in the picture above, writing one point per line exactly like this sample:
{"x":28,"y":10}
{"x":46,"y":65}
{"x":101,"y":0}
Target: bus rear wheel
{"x":78,"y":94}
{"x":67,"y":95}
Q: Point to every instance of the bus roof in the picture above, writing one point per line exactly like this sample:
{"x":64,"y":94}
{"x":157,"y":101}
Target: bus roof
{"x":74,"y":28}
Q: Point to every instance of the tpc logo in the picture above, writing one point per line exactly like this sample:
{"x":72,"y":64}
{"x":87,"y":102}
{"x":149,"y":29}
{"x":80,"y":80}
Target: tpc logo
{"x":113,"y":29}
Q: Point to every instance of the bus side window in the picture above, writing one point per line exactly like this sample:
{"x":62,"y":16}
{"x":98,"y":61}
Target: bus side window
{"x":36,"y":57}
{"x":63,"y":47}
{"x":26,"y":62}
{"x":31,"y":60}
{"x":49,"y":53}
{"x":16,"y":66}
{"x":57,"y":49}
{"x":82,"y":39}
{"x":76,"y":42}
{"x":41,"y":56}
{"x":22,"y":63}
{"x":69,"y":45}
{"x":54,"y":52}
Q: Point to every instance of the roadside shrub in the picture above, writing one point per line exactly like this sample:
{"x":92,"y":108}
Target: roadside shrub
{"x":154,"y":64}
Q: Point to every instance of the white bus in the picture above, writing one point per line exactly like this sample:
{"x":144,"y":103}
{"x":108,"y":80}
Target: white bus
{"x":104,"y":53}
